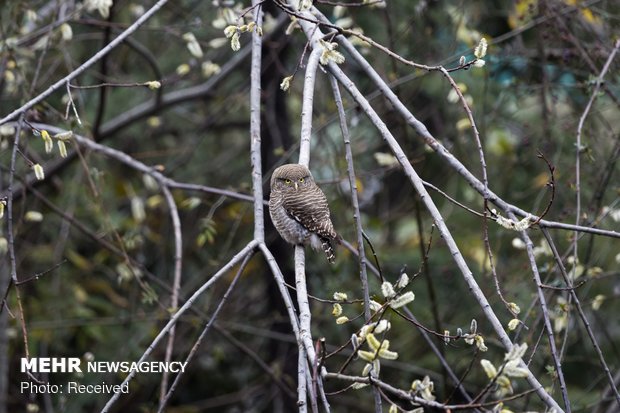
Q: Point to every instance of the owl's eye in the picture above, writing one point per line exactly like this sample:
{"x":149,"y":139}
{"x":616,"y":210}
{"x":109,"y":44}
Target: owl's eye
{"x":287,"y":181}
{"x":301,"y":180}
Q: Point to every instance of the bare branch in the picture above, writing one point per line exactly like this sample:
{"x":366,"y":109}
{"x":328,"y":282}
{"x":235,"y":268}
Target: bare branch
{"x":582,"y":315}
{"x":173,"y":320}
{"x":190,"y":356}
{"x":354,"y":201}
{"x":255,"y":128}
{"x":545,"y":314}
{"x":306,"y":110}
{"x":302,"y":385}
{"x":176,"y":283}
{"x":406,"y":395}
{"x":445,"y":233}
{"x":94,"y":59}
{"x":579,"y":148}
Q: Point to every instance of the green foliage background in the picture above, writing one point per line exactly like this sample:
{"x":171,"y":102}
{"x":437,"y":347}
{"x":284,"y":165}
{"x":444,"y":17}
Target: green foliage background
{"x":92,"y":301}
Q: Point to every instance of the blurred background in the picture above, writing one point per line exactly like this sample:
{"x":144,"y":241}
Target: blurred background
{"x":98,"y":236}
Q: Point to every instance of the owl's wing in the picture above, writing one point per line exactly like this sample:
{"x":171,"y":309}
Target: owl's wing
{"x":311,"y":210}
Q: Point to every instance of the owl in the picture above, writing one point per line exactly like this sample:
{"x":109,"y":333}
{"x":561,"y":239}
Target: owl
{"x":299,"y":209}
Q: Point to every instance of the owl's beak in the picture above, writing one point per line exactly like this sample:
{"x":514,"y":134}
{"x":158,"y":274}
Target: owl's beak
{"x":296,"y":186}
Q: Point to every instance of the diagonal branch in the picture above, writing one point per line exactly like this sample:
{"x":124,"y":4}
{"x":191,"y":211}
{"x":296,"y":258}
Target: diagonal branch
{"x":441,"y":226}
{"x":139,"y":166}
{"x":546,"y":320}
{"x":190,"y":356}
{"x":582,"y":315}
{"x":173,"y":320}
{"x":94,"y":59}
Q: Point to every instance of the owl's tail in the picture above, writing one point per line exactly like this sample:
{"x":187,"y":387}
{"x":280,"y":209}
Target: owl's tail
{"x":329,"y":250}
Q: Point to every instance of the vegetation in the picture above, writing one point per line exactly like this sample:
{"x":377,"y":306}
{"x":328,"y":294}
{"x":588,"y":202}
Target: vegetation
{"x":471,"y":147}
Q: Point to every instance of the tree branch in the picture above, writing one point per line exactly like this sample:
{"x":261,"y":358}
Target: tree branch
{"x":176,"y":283}
{"x":582,"y":315}
{"x":354,"y":201}
{"x":173,"y":320}
{"x":94,"y":59}
{"x":443,"y":229}
{"x":307,"y":103}
{"x":441,"y":150}
{"x":164,"y":401}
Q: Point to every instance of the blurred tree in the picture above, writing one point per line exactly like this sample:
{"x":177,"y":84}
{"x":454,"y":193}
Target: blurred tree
{"x":128,"y":182}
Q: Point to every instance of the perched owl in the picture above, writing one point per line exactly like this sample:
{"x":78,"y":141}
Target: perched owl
{"x":299,"y":209}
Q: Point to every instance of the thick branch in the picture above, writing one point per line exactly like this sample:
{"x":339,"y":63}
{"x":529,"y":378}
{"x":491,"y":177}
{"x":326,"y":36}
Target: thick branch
{"x":255,"y":131}
{"x":307,"y":106}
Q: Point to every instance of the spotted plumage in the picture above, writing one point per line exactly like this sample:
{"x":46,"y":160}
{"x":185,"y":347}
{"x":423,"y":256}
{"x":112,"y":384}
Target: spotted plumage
{"x":299,"y":209}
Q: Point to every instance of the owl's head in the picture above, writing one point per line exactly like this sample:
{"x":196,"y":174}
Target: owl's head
{"x":291,"y":176}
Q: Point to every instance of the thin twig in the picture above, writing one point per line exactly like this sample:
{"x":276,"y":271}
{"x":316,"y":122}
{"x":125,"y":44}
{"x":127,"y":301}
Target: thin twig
{"x":39,"y":274}
{"x":108,"y":84}
{"x":176,"y":283}
{"x":354,"y":201}
{"x":441,"y":150}
{"x":192,"y":353}
{"x":173,"y":320}
{"x":582,"y":315}
{"x":551,"y":287}
{"x":445,"y":233}
{"x":71,"y":104}
{"x":374,"y":254}
{"x":103,"y":96}
{"x":550,"y":184}
{"x":529,"y":247}
{"x":345,"y":4}
{"x":454,"y":201}
{"x":579,"y":148}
